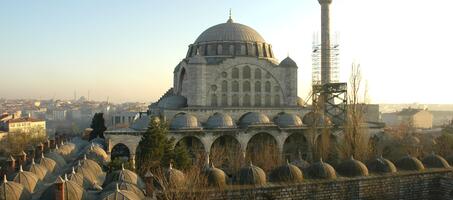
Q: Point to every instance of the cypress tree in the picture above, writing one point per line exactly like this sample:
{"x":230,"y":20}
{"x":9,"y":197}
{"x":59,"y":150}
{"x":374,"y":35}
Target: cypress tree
{"x":98,"y":126}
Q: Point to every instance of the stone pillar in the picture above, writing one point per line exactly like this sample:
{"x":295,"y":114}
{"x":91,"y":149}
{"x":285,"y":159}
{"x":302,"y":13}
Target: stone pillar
{"x":59,"y":189}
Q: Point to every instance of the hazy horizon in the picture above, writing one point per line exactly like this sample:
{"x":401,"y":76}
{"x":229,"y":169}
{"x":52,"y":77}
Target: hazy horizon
{"x":127,"y":51}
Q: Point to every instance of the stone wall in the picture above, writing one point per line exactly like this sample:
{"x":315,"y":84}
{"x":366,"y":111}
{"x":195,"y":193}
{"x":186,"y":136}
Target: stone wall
{"x":431,"y":184}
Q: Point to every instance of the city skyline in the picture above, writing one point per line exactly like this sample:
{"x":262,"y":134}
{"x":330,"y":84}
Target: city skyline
{"x":123,"y":51}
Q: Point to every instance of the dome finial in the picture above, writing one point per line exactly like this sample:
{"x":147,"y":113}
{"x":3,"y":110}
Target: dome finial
{"x":230,"y":20}
{"x":20,"y":168}
{"x":4,"y":179}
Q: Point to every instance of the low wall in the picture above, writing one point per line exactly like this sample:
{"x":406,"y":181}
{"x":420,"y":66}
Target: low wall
{"x":431,"y":184}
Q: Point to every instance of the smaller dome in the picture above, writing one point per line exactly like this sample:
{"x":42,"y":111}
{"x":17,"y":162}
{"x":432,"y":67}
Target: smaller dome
{"x":124,"y":175}
{"x":435,"y":161}
{"x":318,"y":119}
{"x":287,"y":173}
{"x":286,"y":120}
{"x":411,"y":140}
{"x":91,"y":165}
{"x":73,"y":191}
{"x":27,"y":179}
{"x":48,"y":163}
{"x":78,"y":178}
{"x":87,"y":173}
{"x":99,"y":142}
{"x":67,"y":150}
{"x":125,"y":186}
{"x":96,"y":153}
{"x":141,"y":123}
{"x":321,"y":170}
{"x":253,"y":118}
{"x":220,"y":120}
{"x":300,"y":102}
{"x":252,"y":175}
{"x":352,"y":168}
{"x":301,"y":163}
{"x":175,"y":178}
{"x":288,"y":62}
{"x":184,"y":121}
{"x":381,"y":165}
{"x":59,"y":160}
{"x":39,"y":170}
{"x":216,"y":177}
{"x":13,"y":190}
{"x":410,"y":163}
{"x":119,"y":194}
{"x":173,"y":102}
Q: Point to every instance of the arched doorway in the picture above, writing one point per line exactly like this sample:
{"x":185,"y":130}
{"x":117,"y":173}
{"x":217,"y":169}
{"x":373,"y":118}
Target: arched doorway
{"x":195,"y":148}
{"x":262,"y":150}
{"x":120,"y":151}
{"x":226,"y":154}
{"x":295,"y":144}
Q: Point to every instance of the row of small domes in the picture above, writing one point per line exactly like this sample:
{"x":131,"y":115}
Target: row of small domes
{"x":220,"y":120}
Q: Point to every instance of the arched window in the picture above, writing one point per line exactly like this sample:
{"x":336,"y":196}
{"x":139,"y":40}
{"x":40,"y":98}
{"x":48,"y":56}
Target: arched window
{"x":257,"y":86}
{"x":235,"y":100}
{"x":267,"y":100}
{"x":246,"y":100}
{"x":257,"y":100}
{"x":224,"y":100}
{"x":235,"y":86}
{"x":267,"y":87}
{"x":246,"y":86}
{"x":219,"y":49}
{"x":277,"y":100}
{"x":246,"y":72}
{"x":257,"y":73}
{"x":213,"y":100}
{"x":224,"y":86}
{"x":235,"y":73}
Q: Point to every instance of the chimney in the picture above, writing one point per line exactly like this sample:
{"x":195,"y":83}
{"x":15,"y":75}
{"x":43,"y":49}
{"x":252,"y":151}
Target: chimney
{"x":22,"y":158}
{"x":149,"y":179}
{"x":39,"y":149}
{"x":11,"y":165}
{"x":59,"y":186}
{"x":52,"y":143}
{"x":325,"y":41}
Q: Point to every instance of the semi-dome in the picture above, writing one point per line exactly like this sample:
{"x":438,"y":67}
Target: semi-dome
{"x":287,"y":173}
{"x":72,"y":191}
{"x":27,"y":179}
{"x":230,"y":31}
{"x":216,"y":177}
{"x":39,"y":170}
{"x":286,"y":120}
{"x":48,"y":163}
{"x":321,"y":170}
{"x":175,"y":178}
{"x":220,"y":120}
{"x":381,"y":165}
{"x":318,"y":119}
{"x":124,"y":175}
{"x":252,"y":175}
{"x":173,"y":102}
{"x":288,"y":62}
{"x":184,"y":121}
{"x":119,"y":194}
{"x":435,"y":161}
{"x":352,"y":168}
{"x":13,"y":191}
{"x":253,"y":118}
{"x":124,"y":186}
{"x":409,"y":163}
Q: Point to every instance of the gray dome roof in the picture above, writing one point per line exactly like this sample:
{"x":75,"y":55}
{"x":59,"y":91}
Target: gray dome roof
{"x":352,"y":168}
{"x":124,"y":175}
{"x":119,"y":194}
{"x":175,"y":178}
{"x":27,"y":179}
{"x":287,"y":173}
{"x":286,"y":120}
{"x":253,"y":118}
{"x":39,"y":170}
{"x":381,"y":165}
{"x":13,"y":191}
{"x":288,"y":62}
{"x":230,"y":31}
{"x":72,"y":191}
{"x":184,"y":121}
{"x":410,"y":163}
{"x":125,"y":186}
{"x":173,"y":102}
{"x":435,"y":161}
{"x":321,"y":170}
{"x":59,"y":160}
{"x":141,"y":123}
{"x":220,"y":120}
{"x":411,"y":140}
{"x":216,"y":177}
{"x":311,"y":118}
{"x":252,"y":175}
{"x":48,"y":163}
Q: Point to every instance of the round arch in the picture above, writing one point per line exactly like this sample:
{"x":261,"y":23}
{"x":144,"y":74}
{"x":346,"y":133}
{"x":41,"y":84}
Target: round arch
{"x":262,"y":150}
{"x":194,"y":146}
{"x":327,"y":147}
{"x":120,"y":151}
{"x":294,"y":144}
{"x":226,"y":153}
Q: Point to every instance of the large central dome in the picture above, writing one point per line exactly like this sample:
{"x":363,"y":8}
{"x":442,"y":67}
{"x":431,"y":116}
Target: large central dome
{"x":230,"y":31}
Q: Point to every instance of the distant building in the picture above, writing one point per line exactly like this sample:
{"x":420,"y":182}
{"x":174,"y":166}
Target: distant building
{"x":26,"y":125}
{"x":123,"y":119}
{"x":417,"y":118}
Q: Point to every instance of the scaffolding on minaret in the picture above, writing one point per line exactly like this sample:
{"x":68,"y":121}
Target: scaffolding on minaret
{"x":316,"y":60}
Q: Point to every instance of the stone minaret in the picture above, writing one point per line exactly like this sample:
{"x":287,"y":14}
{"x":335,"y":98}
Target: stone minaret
{"x":325,"y":40}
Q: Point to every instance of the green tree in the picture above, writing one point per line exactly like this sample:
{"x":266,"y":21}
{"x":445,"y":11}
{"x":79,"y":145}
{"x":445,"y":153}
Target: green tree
{"x":181,"y":157}
{"x":98,"y":126}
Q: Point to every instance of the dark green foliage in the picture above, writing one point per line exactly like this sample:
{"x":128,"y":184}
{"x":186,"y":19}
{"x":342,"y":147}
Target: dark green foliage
{"x":98,"y":126}
{"x":181,"y":157}
{"x":117,"y":164}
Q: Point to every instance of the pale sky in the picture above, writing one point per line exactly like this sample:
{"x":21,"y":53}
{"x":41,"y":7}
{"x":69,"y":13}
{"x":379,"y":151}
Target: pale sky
{"x":126,"y":50}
